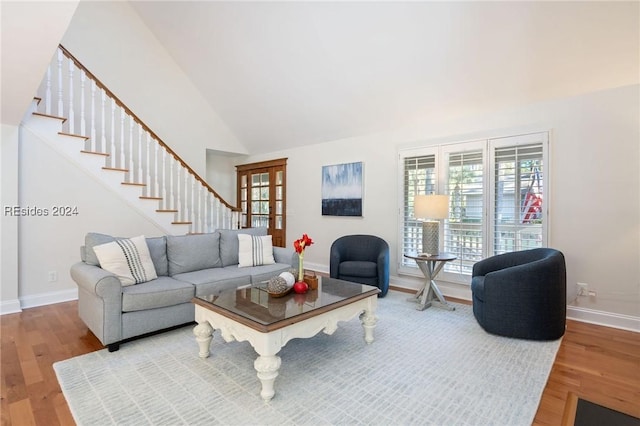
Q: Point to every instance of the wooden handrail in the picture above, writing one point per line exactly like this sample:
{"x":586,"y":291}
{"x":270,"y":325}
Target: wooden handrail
{"x":146,"y":128}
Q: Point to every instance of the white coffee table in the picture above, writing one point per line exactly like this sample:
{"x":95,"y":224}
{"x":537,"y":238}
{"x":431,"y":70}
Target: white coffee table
{"x":268,"y":323}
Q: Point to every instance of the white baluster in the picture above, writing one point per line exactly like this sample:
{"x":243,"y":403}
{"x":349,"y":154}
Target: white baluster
{"x":94,"y":136}
{"x":209,"y":202}
{"x":83,"y":126}
{"x":130,"y":154}
{"x":60,"y":103}
{"x":171,"y":198}
{"x":206,"y":210}
{"x":71,"y":118}
{"x":192,"y":204}
{"x":113,"y":152}
{"x":151,"y":189}
{"x":202,"y":208}
{"x":178,"y":196}
{"x":47,"y":95}
{"x":121,"y":142}
{"x":103,"y":123}
{"x":216,"y":205}
{"x":166,"y":181}
{"x":140,"y":155}
{"x":156,"y":170}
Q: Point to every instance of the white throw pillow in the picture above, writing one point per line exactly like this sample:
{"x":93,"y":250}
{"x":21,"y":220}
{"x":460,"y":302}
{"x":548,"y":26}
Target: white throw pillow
{"x":128,"y":259}
{"x":255,"y":250}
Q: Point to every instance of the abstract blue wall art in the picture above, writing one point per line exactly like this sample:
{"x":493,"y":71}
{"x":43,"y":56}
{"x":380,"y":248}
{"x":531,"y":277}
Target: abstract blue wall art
{"x":342,"y":189}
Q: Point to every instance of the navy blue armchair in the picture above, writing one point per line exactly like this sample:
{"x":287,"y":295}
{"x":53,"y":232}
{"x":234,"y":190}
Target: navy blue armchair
{"x":521,"y":294}
{"x":362,"y":259}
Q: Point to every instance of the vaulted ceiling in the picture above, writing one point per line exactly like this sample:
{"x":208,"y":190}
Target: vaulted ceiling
{"x":284,"y":74}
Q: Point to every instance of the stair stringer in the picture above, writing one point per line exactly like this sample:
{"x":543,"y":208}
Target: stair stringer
{"x":46,"y":129}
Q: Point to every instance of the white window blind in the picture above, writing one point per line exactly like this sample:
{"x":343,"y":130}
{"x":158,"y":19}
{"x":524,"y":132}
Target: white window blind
{"x":518,"y":196}
{"x":419,"y":178}
{"x":463,"y":231}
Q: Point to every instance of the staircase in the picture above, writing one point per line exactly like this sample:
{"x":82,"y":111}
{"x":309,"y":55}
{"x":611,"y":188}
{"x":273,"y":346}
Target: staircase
{"x":82,"y":120}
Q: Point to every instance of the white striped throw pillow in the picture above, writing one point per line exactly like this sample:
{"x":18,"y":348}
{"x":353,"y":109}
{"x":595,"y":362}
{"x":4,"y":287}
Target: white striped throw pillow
{"x":129,"y":259}
{"x":255,"y":250}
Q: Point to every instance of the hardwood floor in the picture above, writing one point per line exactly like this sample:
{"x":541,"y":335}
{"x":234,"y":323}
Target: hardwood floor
{"x":597,"y":363}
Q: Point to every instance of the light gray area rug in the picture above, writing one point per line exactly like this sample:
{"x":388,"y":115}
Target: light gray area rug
{"x":431,"y":367}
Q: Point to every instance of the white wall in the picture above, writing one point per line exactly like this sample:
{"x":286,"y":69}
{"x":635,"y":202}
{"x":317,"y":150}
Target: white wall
{"x":113,"y":43}
{"x":221,"y":175}
{"x":48,"y":243}
{"x":595,"y":186}
{"x":9,"y":224}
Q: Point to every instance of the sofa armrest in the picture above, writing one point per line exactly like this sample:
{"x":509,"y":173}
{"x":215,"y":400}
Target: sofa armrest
{"x":285,"y":255}
{"x":96,"y":281}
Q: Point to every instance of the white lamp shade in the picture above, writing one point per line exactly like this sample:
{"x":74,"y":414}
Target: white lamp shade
{"x":431,"y":206}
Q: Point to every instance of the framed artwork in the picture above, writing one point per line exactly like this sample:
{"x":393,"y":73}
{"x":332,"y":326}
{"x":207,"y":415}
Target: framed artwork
{"x":342,"y":189}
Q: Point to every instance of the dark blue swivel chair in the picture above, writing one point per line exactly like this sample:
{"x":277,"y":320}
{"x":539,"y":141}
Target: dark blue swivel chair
{"x":361,"y":258}
{"x":521,"y":294}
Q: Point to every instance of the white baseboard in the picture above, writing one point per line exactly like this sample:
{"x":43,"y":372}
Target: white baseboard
{"x":48,"y":298}
{"x":607,"y":319}
{"x":10,"y":307}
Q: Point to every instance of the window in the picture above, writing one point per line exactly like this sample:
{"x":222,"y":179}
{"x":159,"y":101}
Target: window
{"x":496,"y":191}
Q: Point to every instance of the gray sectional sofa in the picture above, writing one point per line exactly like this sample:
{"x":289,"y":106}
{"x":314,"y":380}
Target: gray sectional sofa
{"x":186,"y":266}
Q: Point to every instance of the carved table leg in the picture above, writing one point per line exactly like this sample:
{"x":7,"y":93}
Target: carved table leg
{"x":204,"y":334}
{"x":368,"y":320}
{"x":267,"y":368}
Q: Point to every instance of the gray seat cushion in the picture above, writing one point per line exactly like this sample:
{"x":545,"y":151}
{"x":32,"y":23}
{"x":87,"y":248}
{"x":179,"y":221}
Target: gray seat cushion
{"x":161,"y":292}
{"x":213,"y":280}
{"x":358,"y":268}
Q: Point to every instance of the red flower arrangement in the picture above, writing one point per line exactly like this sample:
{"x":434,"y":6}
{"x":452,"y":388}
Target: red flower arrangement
{"x":300,"y":245}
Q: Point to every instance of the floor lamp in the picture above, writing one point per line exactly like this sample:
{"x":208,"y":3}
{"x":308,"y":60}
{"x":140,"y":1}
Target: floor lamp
{"x":431,"y":208}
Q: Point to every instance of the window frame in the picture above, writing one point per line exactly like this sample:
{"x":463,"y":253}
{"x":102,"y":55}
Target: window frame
{"x":488,"y":146}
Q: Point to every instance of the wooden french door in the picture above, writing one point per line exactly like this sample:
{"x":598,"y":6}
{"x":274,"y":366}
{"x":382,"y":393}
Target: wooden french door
{"x":262,"y":197}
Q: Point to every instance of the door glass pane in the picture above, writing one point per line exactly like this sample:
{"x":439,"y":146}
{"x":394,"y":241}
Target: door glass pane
{"x":264,"y":177}
{"x":279,"y":222}
{"x":255,"y":194}
{"x":279,"y":176}
{"x":255,"y":207}
{"x":243,"y":194}
{"x":278,"y":207}
{"x":278,"y":193}
{"x":264,"y":207}
{"x":243,"y":180}
{"x":259,"y":221}
{"x":264,"y":193}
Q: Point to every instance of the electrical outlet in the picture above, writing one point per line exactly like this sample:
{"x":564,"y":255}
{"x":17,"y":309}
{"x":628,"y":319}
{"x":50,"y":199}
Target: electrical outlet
{"x":53,"y":276}
{"x":583,"y":289}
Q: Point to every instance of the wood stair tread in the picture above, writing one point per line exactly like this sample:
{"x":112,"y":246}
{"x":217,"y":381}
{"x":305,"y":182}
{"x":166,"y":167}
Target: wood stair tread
{"x":114,"y":169}
{"x":151,"y":198}
{"x":40,"y":114}
{"x":134,"y":184}
{"x":104,"y":154}
{"x":74,"y":135}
